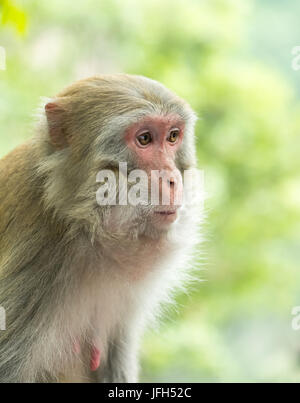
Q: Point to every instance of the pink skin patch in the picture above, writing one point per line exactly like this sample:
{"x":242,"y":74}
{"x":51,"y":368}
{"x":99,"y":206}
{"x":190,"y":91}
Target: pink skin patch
{"x":95,"y":359}
{"x":160,"y":153}
{"x":157,"y":152}
{"x":95,"y":355}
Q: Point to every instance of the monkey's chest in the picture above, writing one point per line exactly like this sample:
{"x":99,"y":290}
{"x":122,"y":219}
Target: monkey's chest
{"x":136,"y":262}
{"x":109,"y":300}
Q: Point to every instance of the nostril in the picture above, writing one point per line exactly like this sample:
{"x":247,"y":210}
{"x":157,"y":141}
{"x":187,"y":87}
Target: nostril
{"x":171,"y":182}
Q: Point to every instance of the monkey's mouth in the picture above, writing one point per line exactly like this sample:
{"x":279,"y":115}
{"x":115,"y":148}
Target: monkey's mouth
{"x":166,"y":216}
{"x":166,"y":213}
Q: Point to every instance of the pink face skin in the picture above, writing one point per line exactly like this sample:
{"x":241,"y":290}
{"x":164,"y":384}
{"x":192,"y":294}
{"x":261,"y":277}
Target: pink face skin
{"x":155,"y":141}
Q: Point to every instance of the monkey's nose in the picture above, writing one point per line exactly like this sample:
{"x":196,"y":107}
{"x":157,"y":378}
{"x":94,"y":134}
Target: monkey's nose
{"x":171,"y":182}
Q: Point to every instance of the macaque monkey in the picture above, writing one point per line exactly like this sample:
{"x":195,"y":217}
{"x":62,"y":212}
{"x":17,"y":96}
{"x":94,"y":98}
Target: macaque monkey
{"x":79,"y":281}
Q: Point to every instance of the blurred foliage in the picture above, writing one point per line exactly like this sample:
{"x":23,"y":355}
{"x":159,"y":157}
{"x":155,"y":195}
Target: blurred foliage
{"x":13,"y":15}
{"x":236,"y":325}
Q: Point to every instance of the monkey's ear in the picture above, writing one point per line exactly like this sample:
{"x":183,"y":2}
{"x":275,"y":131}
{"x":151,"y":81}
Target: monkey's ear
{"x":55,"y":117}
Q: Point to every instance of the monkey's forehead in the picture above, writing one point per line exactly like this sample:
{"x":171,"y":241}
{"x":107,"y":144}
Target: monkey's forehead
{"x":160,"y":121}
{"x":122,"y":93}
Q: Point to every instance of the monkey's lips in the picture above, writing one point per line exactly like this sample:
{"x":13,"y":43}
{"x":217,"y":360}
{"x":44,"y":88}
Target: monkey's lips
{"x":167,"y":216}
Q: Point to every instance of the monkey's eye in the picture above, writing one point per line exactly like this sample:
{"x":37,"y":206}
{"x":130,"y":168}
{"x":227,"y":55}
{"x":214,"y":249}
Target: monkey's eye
{"x":144,"y":138}
{"x":173,"y":136}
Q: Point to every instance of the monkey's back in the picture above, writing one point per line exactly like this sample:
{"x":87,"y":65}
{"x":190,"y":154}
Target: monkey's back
{"x":27,"y":241}
{"x":18,"y":197}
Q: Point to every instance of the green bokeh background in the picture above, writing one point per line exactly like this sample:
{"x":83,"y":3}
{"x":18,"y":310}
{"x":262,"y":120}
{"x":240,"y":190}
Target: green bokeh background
{"x":232,"y":61}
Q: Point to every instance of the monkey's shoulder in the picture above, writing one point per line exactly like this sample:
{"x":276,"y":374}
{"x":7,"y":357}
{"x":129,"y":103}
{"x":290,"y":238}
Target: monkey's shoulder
{"x":17,"y":190}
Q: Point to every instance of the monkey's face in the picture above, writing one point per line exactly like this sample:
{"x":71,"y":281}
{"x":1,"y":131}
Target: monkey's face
{"x":154,"y":142}
{"x":95,"y":125}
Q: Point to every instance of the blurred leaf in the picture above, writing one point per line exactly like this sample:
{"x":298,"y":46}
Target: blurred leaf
{"x":13,"y":15}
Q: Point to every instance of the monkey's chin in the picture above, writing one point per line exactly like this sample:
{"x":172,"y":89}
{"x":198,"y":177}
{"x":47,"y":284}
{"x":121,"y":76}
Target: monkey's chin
{"x":164,"y":218}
